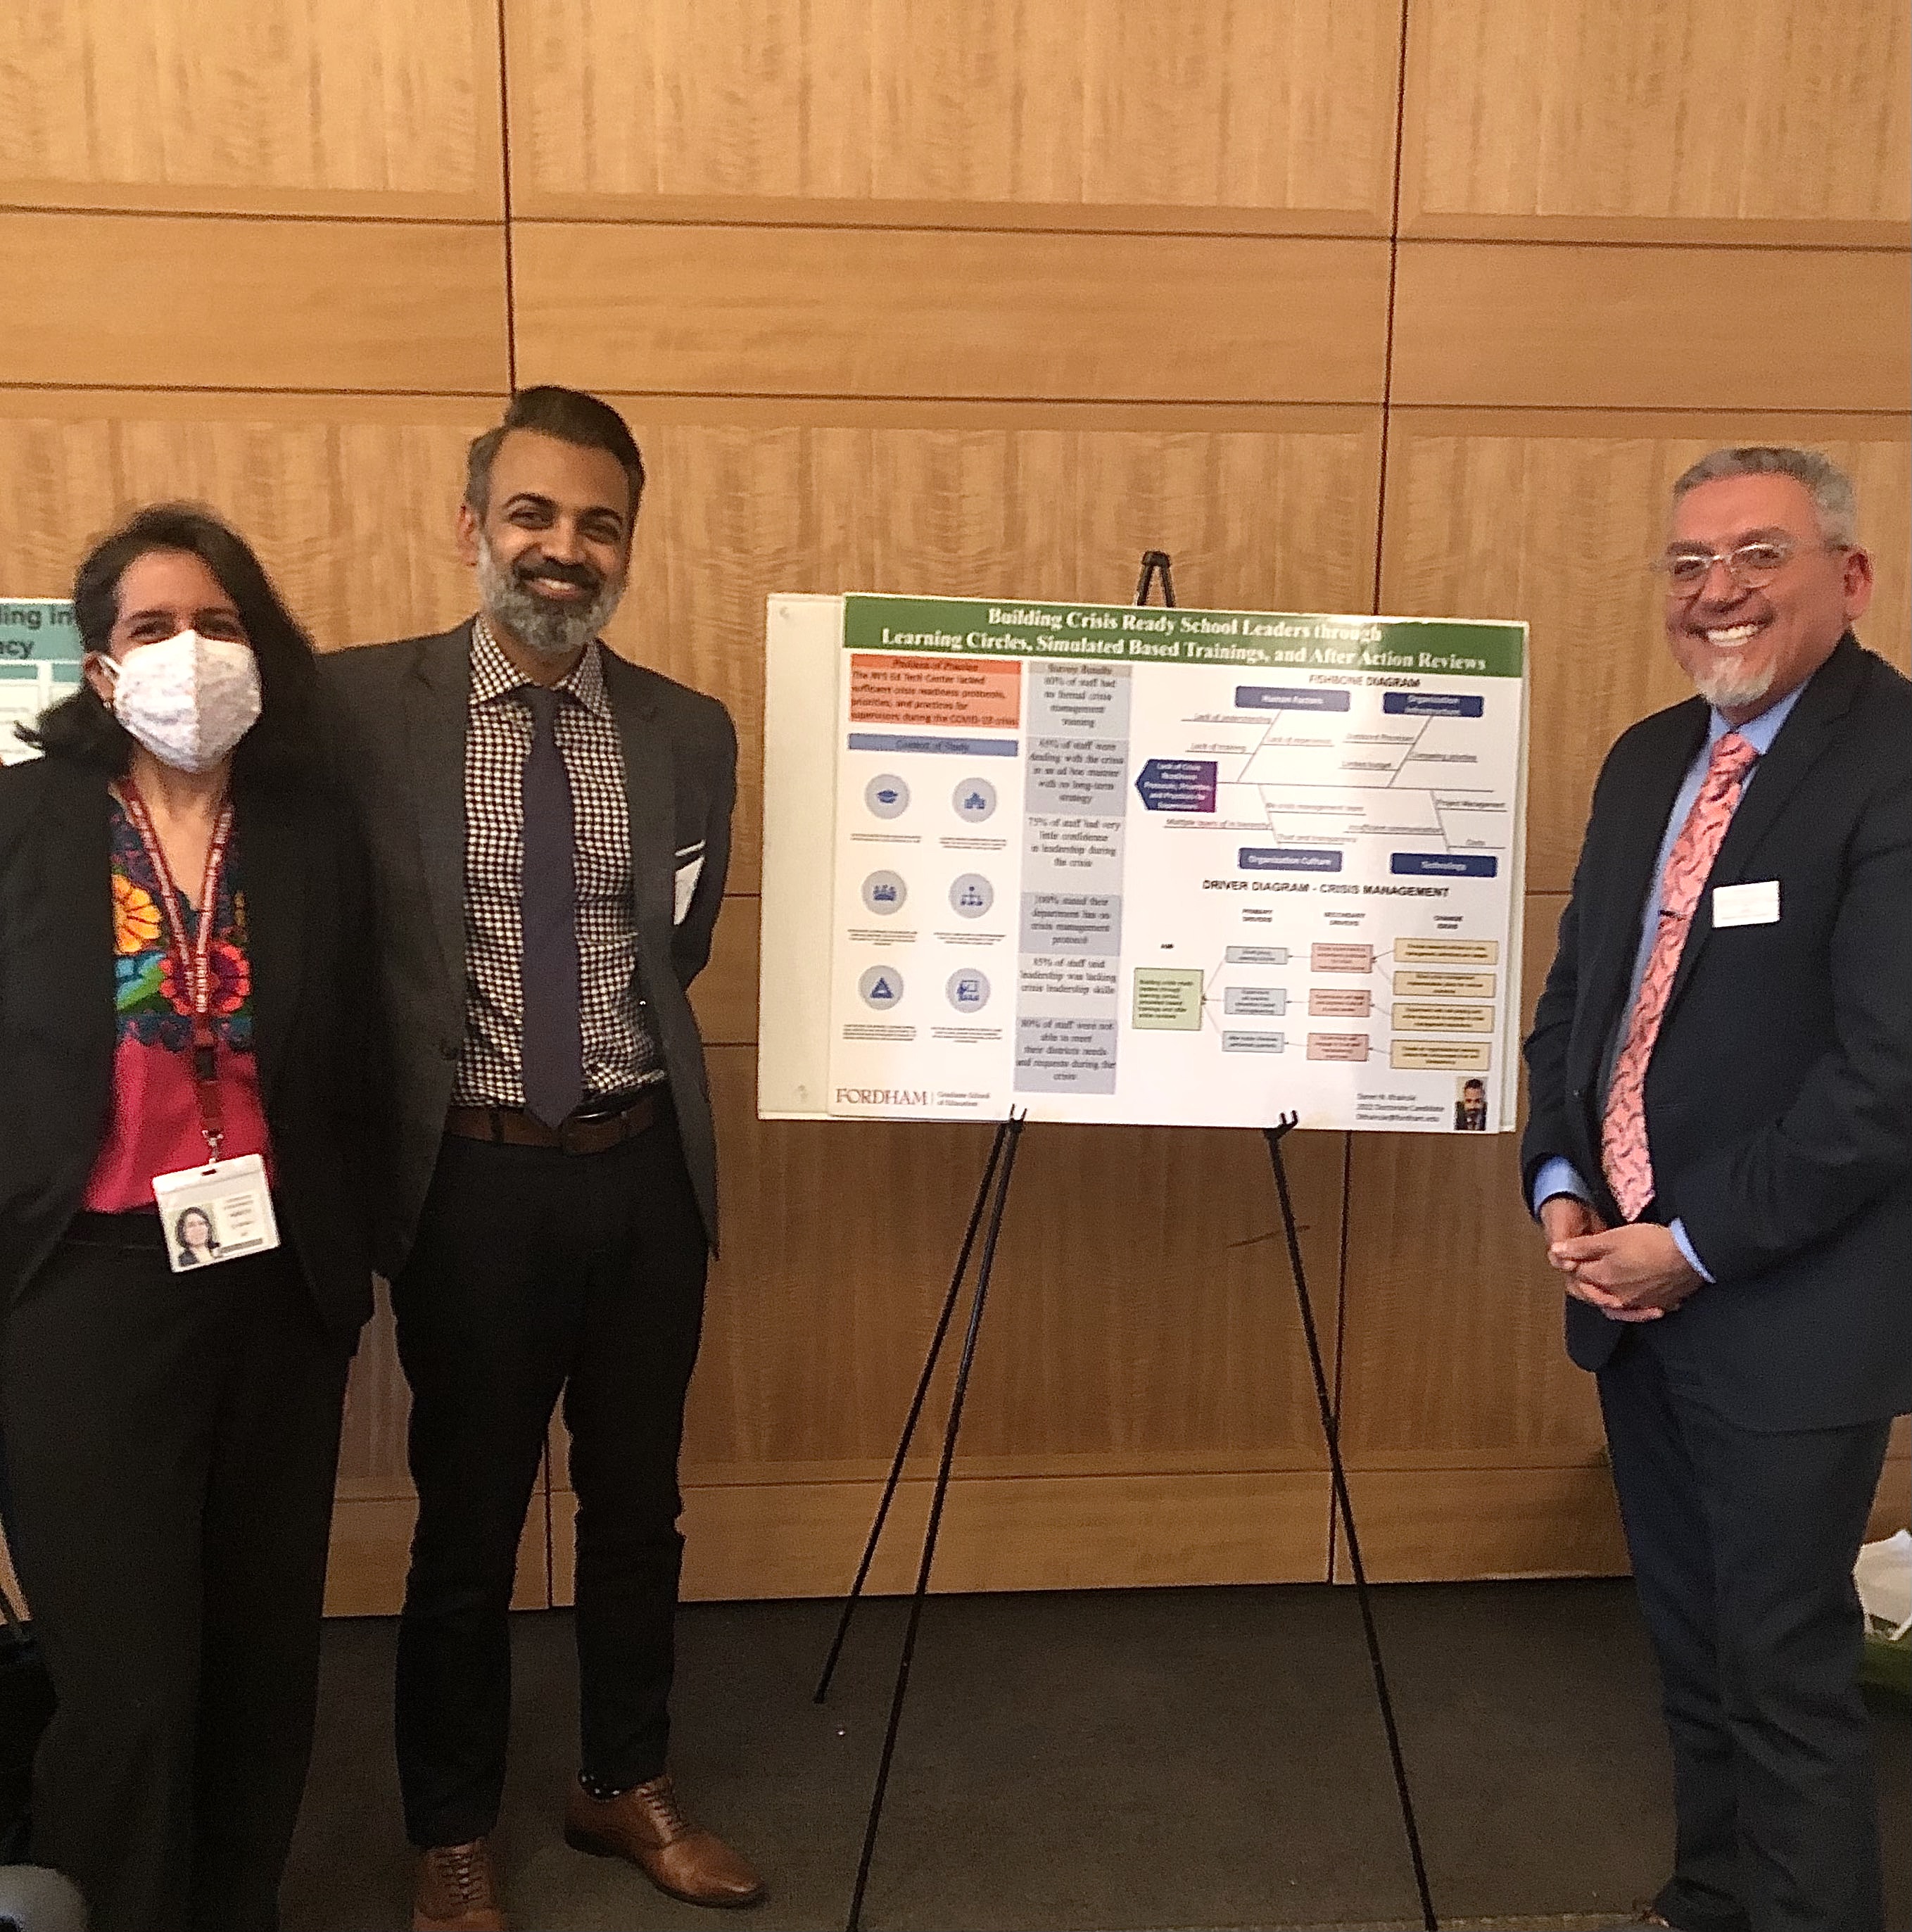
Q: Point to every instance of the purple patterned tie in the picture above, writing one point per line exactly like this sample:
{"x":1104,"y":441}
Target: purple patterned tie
{"x":1623,"y":1150}
{"x":553,"y":1047}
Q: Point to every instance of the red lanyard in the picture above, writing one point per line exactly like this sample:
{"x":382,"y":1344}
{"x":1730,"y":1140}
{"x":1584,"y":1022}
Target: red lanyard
{"x":191,"y":955}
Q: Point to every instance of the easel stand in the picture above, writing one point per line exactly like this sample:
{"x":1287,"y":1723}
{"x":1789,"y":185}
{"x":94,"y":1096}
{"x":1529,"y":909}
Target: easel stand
{"x":1000,"y":1170}
{"x":992,"y":1199}
{"x":986,"y":1216}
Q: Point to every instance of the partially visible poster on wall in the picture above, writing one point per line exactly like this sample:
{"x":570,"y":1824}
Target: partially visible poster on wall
{"x":40,"y":654}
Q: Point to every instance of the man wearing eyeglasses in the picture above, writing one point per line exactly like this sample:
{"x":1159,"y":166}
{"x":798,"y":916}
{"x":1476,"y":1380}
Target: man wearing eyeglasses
{"x":1719,"y":1154}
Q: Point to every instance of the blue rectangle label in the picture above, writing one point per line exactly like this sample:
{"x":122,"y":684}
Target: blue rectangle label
{"x":958,"y":748}
{"x":1434,"y":703}
{"x":1445,"y":864}
{"x":1287,"y":859}
{"x":1270,"y":697}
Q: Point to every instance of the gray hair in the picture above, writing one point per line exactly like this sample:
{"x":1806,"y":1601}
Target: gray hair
{"x":1830,"y":488}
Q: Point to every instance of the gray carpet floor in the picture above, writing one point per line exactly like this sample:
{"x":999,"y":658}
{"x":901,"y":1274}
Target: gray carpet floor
{"x":1113,"y":1760}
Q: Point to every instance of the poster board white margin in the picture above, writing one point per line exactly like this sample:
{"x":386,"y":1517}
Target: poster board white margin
{"x":1514,"y":1015}
{"x":802,"y":639}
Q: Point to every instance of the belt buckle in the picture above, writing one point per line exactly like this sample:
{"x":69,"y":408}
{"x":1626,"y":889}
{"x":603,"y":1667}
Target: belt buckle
{"x":569,"y":1131}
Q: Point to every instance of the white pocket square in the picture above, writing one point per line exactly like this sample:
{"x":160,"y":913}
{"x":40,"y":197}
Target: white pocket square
{"x":686,"y":884}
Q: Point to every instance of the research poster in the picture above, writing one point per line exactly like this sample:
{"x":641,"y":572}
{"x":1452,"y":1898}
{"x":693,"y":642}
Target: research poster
{"x":40,"y":654}
{"x":1179,"y":866}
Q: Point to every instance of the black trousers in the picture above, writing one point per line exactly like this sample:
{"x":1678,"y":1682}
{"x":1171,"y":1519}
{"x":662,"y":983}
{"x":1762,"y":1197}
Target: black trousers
{"x":1742,"y":1547}
{"x":171,"y":1444}
{"x":536,"y":1272}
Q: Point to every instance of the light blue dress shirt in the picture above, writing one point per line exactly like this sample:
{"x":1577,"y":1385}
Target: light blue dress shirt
{"x":1560,"y":1176}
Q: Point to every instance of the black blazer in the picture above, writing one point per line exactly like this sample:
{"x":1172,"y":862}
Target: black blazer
{"x":399,"y":718}
{"x":1779,"y":1096}
{"x":307,"y":914}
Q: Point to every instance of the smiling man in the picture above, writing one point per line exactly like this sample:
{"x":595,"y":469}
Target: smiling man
{"x":1720,"y":1155}
{"x":549,"y":827}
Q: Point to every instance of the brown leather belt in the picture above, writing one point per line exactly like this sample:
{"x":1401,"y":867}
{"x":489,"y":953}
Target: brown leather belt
{"x":583,"y":1133}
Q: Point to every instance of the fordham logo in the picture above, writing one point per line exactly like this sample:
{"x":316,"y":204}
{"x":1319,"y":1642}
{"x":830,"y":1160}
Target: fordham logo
{"x":882,"y":1096}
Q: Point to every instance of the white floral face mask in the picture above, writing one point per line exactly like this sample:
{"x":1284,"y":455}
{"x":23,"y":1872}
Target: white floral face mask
{"x":189,"y":699}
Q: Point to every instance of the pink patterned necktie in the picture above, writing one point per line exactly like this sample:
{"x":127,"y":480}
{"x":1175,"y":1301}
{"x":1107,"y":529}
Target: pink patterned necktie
{"x":1623,"y":1151}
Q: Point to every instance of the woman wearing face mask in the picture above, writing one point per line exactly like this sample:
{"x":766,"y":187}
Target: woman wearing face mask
{"x":185,"y":1160}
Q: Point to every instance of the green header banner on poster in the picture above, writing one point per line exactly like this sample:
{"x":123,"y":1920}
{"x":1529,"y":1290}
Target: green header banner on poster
{"x":1122,"y":633}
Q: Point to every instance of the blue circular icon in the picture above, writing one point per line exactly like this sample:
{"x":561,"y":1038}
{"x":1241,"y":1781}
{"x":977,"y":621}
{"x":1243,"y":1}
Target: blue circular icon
{"x":884,"y":893}
{"x":881,"y":987}
{"x":887,"y":796}
{"x":971,"y":896}
{"x":975,"y":800}
{"x":969,"y":991}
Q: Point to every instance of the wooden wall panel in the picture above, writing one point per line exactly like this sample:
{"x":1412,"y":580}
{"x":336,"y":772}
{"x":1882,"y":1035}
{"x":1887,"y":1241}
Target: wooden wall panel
{"x":1432,"y":1524}
{"x":1662,"y":328}
{"x":1075,"y":1532}
{"x":308,"y":107}
{"x":1617,"y":119}
{"x":724,"y":998}
{"x":185,"y":301}
{"x":1277,"y":114}
{"x":1261,"y":509}
{"x":1556,"y":517}
{"x":801,"y":311}
{"x":1142,"y":1320}
{"x":348,"y":499}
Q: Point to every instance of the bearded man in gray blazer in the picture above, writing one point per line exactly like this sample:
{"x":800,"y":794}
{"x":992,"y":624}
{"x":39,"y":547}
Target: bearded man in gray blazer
{"x":549,"y":828}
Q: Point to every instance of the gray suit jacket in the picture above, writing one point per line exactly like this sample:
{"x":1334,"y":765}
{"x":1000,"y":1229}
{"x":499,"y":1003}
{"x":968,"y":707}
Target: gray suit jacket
{"x":398,"y":719}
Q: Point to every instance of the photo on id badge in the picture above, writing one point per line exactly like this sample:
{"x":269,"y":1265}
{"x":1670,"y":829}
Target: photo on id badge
{"x":217,"y":1213}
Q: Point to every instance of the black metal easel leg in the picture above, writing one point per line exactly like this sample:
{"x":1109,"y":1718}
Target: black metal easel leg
{"x":916,"y":1411}
{"x":1331,"y":1431}
{"x":1013,"y":1128}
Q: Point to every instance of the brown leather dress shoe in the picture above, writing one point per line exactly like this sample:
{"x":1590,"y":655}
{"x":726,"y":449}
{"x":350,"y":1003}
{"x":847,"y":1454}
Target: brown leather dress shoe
{"x":644,"y":1825}
{"x":456,"y":1890}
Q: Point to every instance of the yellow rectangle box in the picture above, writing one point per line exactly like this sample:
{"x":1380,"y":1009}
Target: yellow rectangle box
{"x":1443,"y":1019}
{"x":1446,"y":952}
{"x":1444,"y":986}
{"x":1438,"y":1056}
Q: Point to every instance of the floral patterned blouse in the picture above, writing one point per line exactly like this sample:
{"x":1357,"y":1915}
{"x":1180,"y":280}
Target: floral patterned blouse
{"x":154,"y":1127}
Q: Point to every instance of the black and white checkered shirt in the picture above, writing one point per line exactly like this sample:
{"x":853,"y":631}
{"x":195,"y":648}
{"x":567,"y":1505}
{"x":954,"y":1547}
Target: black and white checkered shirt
{"x":620,"y":1050}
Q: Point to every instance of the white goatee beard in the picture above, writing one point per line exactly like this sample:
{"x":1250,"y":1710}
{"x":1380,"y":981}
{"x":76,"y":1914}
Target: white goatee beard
{"x":1732,"y":687}
{"x":551,"y":631}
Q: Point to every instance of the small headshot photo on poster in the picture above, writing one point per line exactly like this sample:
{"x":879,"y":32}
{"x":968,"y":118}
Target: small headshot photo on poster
{"x":1471,"y":1106}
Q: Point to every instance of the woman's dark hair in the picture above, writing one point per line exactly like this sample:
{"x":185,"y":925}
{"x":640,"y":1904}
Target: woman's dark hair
{"x":279,"y":746}
{"x":186,"y":1214}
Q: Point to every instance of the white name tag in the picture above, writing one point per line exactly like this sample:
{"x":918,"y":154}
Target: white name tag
{"x":216,"y":1213}
{"x":1756,"y":903}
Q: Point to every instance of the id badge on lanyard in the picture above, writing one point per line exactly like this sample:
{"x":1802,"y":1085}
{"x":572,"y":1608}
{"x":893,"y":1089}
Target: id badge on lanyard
{"x":223,"y":1210}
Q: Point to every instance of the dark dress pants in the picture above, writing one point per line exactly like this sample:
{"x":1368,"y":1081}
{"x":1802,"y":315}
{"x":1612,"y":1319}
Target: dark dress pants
{"x":536,"y":1272}
{"x":1743,"y":1546}
{"x":171,"y":1444}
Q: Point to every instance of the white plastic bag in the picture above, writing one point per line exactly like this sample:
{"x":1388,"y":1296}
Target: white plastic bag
{"x":1884,"y":1573}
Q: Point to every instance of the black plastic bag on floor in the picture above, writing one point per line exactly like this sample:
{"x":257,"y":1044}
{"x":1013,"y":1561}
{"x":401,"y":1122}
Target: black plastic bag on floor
{"x":26,"y":1703}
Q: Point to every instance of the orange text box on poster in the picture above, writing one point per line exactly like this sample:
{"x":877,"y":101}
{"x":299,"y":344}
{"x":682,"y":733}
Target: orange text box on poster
{"x":941,"y":693}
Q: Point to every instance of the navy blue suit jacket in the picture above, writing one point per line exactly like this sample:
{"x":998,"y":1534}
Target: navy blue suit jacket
{"x":1778,"y":1100}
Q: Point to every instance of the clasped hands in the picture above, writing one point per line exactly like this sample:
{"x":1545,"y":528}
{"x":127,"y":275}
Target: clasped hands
{"x":1633,"y":1273}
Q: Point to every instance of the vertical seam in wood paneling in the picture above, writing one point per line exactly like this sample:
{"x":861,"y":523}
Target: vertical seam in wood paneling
{"x":510,"y":266}
{"x":1394,"y":265}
